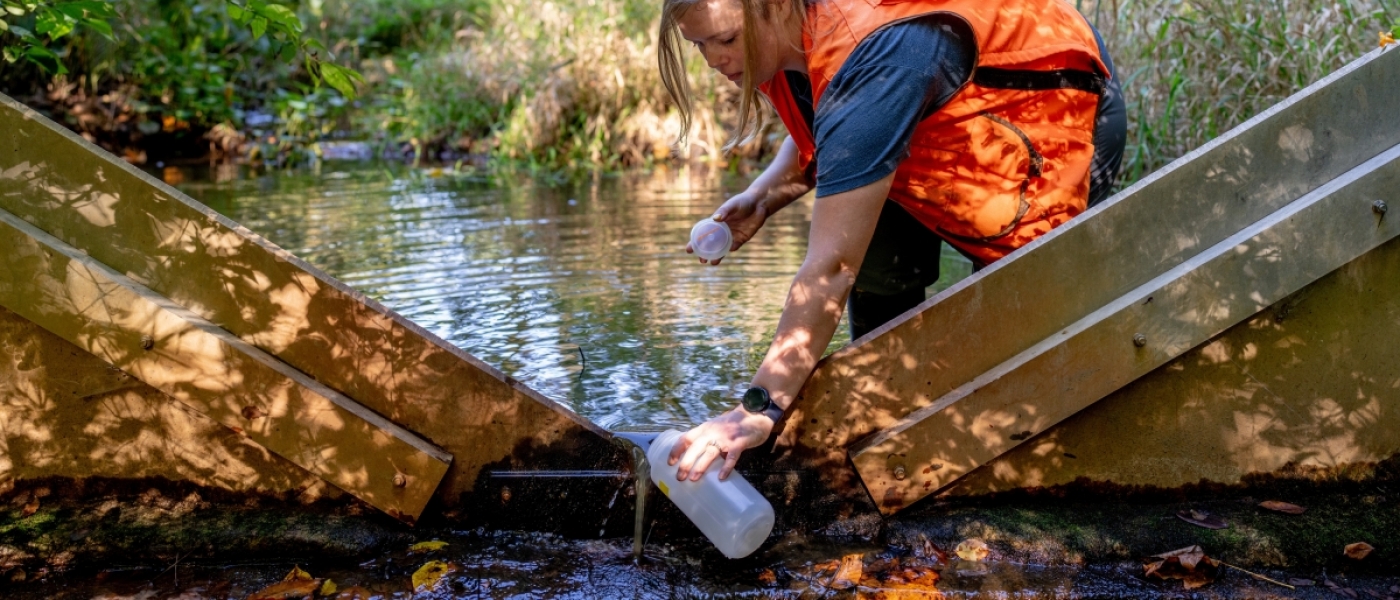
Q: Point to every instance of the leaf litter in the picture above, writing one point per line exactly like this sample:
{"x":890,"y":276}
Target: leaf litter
{"x":1201,"y":518}
{"x":1282,"y":507}
{"x":1189,"y":564}
{"x":1358,"y":551}
{"x":296,"y":585}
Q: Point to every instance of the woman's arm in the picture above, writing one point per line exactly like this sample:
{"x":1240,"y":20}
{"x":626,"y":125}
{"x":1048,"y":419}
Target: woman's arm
{"x":841,"y":228}
{"x":780,"y":183}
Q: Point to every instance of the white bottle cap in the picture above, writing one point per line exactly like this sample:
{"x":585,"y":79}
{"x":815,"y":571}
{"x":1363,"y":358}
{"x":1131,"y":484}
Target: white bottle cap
{"x":710,"y":239}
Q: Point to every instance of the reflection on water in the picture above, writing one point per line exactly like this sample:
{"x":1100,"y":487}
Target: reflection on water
{"x":580,"y":289}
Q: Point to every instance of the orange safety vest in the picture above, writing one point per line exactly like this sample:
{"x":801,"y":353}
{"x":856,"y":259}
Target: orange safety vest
{"x":1007,"y":158}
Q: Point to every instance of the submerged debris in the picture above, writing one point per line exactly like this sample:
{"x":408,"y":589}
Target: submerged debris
{"x":1189,"y":564}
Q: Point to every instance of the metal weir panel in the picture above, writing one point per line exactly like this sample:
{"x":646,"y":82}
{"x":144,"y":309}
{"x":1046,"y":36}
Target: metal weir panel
{"x":269,"y":301}
{"x":962,"y":336}
{"x":1132,"y":336}
{"x":189,"y":359}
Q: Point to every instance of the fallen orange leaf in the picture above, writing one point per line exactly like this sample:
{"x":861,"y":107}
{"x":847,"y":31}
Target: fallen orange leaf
{"x":768,"y":577}
{"x":973,"y":550}
{"x":1283,"y":507}
{"x":1358,"y":550}
{"x":295,"y":589}
{"x":848,"y":574}
{"x":1387,"y":39}
{"x":297,"y":584}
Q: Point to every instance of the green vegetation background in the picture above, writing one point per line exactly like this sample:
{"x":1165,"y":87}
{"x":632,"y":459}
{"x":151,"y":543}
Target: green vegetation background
{"x":574,"y":84}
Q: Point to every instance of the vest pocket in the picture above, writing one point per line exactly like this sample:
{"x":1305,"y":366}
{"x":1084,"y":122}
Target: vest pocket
{"x":975,"y":177}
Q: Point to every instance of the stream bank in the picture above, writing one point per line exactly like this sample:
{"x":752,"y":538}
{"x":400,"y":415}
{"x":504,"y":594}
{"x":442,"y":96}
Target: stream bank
{"x":151,"y":539}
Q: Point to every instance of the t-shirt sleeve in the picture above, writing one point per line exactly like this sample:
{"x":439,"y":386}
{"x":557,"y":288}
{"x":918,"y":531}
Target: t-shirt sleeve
{"x":892,"y":80}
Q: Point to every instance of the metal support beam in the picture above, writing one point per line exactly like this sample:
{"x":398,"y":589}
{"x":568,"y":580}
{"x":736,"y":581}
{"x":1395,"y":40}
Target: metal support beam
{"x":1131,"y":336}
{"x":212,"y":371}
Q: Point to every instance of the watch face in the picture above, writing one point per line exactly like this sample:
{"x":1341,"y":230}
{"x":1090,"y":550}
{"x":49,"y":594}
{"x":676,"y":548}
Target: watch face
{"x":756,"y":399}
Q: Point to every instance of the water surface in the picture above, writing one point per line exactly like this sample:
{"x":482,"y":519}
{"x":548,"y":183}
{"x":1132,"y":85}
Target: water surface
{"x":580,"y":288}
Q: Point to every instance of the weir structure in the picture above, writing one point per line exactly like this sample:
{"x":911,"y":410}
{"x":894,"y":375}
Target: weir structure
{"x":1233,"y":314}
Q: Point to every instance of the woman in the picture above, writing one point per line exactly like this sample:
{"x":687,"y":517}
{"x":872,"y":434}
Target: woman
{"x":980,"y":123}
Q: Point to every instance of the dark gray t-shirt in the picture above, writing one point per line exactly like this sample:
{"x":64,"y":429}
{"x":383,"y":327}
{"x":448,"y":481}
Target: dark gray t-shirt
{"x":896,"y":78}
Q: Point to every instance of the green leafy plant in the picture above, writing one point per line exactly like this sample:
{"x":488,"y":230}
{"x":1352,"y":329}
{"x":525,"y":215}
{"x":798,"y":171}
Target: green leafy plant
{"x":32,"y":24}
{"x":283,"y":25}
{"x":29,"y":27}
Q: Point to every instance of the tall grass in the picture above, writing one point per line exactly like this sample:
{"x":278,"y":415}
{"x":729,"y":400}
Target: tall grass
{"x":575,"y":82}
{"x":1192,"y":70}
{"x":552,"y":83}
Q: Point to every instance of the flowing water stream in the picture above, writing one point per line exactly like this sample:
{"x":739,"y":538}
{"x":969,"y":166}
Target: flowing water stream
{"x":580,"y":287}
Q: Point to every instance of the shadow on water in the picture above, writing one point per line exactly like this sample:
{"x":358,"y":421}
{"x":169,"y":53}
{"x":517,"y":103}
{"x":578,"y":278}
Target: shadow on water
{"x":579,"y":289}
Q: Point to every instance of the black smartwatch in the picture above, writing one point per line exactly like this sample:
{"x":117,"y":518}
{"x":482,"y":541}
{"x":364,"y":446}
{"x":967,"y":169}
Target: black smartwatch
{"x":757,"y":401}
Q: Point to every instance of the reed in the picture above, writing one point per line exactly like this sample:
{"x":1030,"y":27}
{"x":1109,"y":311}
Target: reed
{"x":1192,"y":70}
{"x":576,"y":83}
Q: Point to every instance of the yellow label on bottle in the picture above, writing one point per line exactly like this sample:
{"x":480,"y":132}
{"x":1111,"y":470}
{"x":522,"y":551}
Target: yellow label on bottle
{"x":665,"y":489}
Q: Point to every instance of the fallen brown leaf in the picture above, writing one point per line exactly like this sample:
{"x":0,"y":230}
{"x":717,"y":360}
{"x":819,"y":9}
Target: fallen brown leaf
{"x":31,"y":507}
{"x":1301,"y":582}
{"x":973,"y":550}
{"x":1202,"y":519}
{"x":927,"y":549}
{"x":1358,"y":550}
{"x":899,"y":579}
{"x":1189,"y":564}
{"x":1283,"y":507}
{"x":848,"y":574}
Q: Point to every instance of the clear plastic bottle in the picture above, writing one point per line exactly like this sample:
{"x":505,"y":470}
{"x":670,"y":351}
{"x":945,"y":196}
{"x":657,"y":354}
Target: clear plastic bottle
{"x":731,"y":513}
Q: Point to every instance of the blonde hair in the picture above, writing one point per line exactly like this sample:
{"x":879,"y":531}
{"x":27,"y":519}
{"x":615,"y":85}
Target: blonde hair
{"x":671,"y":60}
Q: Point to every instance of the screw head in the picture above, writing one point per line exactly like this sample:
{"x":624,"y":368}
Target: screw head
{"x":147,"y":343}
{"x":899,"y":473}
{"x":1139,"y":340}
{"x":1379,"y":207}
{"x":400,"y":480}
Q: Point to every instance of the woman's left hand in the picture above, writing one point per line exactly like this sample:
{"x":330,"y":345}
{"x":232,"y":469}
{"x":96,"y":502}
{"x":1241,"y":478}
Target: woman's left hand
{"x":727,"y":435}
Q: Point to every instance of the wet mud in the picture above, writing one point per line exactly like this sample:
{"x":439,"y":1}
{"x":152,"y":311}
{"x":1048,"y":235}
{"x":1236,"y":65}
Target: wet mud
{"x":118,"y":541}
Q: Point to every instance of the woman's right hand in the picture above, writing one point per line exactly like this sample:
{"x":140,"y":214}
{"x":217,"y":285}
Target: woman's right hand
{"x":745,"y":215}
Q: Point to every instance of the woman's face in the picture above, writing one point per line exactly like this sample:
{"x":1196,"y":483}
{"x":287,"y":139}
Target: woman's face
{"x":716,"y":28}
